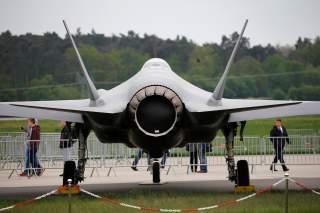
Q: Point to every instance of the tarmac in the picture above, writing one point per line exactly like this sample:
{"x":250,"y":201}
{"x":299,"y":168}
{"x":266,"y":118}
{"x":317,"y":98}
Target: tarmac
{"x":123,"y":180}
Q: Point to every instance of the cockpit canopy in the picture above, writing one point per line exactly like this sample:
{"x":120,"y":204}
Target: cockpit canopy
{"x":156,"y":63}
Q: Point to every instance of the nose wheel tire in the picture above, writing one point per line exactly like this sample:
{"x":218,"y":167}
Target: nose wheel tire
{"x":156,"y":171}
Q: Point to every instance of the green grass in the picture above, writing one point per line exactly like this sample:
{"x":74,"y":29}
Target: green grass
{"x":14,"y":125}
{"x":262,"y":127}
{"x":271,"y":202}
{"x":256,"y":127}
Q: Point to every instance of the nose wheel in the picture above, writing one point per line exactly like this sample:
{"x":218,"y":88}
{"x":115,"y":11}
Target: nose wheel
{"x":156,"y":171}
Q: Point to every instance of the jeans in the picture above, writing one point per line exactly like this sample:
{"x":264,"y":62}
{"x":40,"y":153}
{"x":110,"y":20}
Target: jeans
{"x":203,"y":157}
{"x":26,"y":157}
{"x":164,"y":158}
{"x":32,"y":159}
{"x":137,"y":157}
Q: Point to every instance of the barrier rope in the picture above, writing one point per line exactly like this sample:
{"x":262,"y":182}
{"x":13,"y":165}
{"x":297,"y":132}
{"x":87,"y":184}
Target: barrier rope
{"x":303,"y":186}
{"x":123,"y":204}
{"x":28,"y":201}
{"x":219,"y":205}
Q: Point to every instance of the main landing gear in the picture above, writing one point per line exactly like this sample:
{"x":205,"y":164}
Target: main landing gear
{"x":243,"y":178}
{"x":240,"y":175}
{"x":70,"y":171}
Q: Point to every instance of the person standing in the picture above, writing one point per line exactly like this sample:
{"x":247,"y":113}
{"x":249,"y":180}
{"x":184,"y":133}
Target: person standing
{"x":203,"y":148}
{"x":65,"y":140}
{"x":193,"y":152}
{"x":279,"y":138}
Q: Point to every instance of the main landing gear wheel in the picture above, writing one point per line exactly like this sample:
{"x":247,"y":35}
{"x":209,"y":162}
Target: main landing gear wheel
{"x":156,"y":171}
{"x":69,"y":172}
{"x":243,"y":178}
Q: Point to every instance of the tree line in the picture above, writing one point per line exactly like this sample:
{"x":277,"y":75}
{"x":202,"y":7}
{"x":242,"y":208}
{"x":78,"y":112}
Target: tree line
{"x":44,"y":67}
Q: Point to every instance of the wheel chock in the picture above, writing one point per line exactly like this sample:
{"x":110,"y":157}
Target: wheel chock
{"x":64,"y":189}
{"x":249,"y":188}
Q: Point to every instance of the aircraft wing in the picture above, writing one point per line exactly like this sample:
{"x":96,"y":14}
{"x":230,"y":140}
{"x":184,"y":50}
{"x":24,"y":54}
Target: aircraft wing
{"x":15,"y":110}
{"x":303,"y":108}
{"x":243,"y":109}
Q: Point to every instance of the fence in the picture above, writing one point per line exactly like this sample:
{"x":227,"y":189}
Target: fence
{"x":302,"y":150}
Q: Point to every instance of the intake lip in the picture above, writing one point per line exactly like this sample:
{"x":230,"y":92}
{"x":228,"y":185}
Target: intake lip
{"x":156,"y":110}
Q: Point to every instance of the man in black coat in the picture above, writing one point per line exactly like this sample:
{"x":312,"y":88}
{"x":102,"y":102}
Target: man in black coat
{"x":66,"y":140}
{"x":279,"y":138}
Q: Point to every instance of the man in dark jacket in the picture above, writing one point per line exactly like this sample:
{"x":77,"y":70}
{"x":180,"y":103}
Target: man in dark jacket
{"x":279,"y":138}
{"x":66,"y":141}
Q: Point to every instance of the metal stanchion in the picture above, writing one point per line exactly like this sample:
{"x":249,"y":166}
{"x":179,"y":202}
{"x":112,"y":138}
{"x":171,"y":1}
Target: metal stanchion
{"x":69,"y":195}
{"x":286,"y":175}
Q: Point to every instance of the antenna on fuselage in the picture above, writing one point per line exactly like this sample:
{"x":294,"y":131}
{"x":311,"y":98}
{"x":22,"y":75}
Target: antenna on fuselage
{"x":218,"y":91}
{"x":94,"y":95}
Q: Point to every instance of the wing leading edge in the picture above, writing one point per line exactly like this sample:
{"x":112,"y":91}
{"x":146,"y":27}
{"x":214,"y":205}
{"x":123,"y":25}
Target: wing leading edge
{"x":9,"y":110}
{"x":303,"y":108}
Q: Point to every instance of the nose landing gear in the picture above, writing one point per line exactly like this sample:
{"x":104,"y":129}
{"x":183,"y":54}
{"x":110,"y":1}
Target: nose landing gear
{"x":156,"y":171}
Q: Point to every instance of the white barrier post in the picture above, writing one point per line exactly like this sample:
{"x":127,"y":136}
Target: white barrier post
{"x":286,"y":175}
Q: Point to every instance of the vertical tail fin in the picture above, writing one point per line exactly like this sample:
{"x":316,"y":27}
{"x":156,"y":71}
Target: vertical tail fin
{"x":94,"y":96}
{"x":218,"y":91}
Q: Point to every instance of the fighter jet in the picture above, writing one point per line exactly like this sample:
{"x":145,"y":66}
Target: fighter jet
{"x":157,"y":110}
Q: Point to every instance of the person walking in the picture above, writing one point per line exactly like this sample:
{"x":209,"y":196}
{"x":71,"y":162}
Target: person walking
{"x":32,"y":149}
{"x":279,"y":138}
{"x":166,"y":154}
{"x":27,"y":130}
{"x":137,"y":158}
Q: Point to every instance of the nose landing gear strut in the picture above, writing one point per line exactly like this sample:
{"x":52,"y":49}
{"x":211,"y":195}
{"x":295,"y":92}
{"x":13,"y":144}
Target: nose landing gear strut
{"x":156,"y":171}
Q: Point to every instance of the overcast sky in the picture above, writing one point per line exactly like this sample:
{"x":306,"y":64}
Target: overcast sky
{"x":270,"y":21}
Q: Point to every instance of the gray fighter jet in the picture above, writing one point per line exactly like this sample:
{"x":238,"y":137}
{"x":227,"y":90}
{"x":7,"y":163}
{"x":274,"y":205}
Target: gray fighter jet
{"x":157,"y":110}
